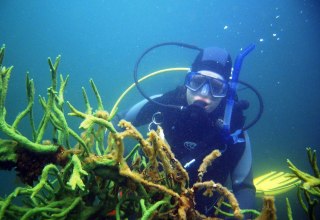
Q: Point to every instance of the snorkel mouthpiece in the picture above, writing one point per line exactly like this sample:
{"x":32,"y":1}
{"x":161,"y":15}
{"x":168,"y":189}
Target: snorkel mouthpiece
{"x":197,"y":113}
{"x":200,"y":103}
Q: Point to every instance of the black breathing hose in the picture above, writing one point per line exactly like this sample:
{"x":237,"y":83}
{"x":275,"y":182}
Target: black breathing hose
{"x":141,"y":57}
{"x":261,"y":106}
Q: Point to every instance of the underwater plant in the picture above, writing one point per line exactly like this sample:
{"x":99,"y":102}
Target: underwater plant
{"x":309,"y":190}
{"x":93,"y":178}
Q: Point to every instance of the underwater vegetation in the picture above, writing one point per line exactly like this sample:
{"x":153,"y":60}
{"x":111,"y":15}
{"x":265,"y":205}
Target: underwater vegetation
{"x":308,"y":192}
{"x":86,"y":175}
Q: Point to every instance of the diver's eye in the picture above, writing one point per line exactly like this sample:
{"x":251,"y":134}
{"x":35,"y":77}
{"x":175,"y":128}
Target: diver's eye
{"x":197,"y":81}
{"x":218,"y":87}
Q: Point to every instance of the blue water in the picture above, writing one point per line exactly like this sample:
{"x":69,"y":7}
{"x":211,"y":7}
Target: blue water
{"x":102,"y":39}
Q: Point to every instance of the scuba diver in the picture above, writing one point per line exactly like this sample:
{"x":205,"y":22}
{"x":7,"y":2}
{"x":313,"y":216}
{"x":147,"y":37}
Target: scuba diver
{"x":196,"y":129}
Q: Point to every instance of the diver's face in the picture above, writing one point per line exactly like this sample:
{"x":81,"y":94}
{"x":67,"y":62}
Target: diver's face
{"x":204,"y":93}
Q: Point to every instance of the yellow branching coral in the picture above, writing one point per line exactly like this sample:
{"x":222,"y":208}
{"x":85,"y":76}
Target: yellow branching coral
{"x":207,"y":161}
{"x":171,"y":165}
{"x":7,"y":150}
{"x":118,"y":148}
{"x":88,"y":122}
{"x":75,"y":179}
{"x":210,"y":186}
{"x":310,"y":183}
{"x":184,"y":206}
{"x":125,"y":171}
{"x":89,"y":119}
{"x":131,"y":131}
{"x":268,"y":210}
{"x":310,"y":186}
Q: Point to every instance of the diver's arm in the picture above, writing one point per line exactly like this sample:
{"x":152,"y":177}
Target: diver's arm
{"x":242,"y":178}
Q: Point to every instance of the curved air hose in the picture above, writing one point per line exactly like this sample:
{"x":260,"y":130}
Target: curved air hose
{"x":261,"y":106}
{"x":141,"y":57}
{"x":168,"y":70}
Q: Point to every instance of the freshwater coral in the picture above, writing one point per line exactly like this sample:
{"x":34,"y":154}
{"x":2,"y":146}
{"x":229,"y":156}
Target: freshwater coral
{"x":310,"y":186}
{"x":269,"y":210}
{"x":92,"y":179}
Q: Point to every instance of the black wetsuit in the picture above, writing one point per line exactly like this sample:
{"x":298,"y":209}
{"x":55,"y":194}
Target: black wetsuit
{"x":192,"y":137}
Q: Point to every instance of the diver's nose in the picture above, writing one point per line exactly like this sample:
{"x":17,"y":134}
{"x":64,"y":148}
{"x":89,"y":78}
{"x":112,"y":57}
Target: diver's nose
{"x":205,"y":90}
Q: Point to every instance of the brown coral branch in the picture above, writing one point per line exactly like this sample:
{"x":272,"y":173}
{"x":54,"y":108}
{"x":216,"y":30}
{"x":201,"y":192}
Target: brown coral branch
{"x":268,"y":210}
{"x":131,"y":131}
{"x":207,"y":161}
{"x":210,"y":186}
{"x":119,"y":149}
{"x":171,"y":165}
{"x":125,"y":171}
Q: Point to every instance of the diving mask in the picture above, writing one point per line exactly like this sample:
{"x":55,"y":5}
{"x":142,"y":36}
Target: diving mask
{"x":196,"y":81}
